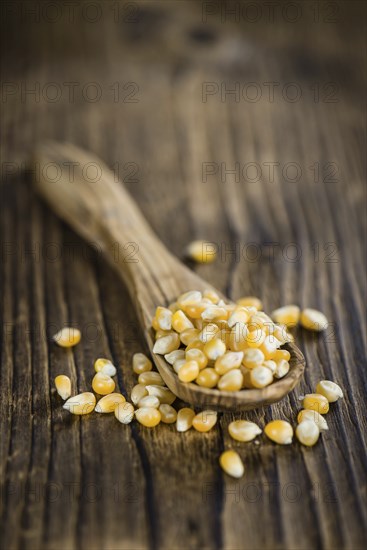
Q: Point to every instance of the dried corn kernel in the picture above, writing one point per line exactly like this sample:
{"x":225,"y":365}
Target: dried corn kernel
{"x":124,"y":413}
{"x":281,"y":333}
{"x":243,"y":430}
{"x":174,"y":355}
{"x":207,"y":378}
{"x":255,"y":338}
{"x":197,"y":355}
{"x":185,"y":417}
{"x":67,"y":337}
{"x":253,"y":358}
{"x":279,"y":431}
{"x":138,"y":392}
{"x":232,"y":464}
{"x":83,"y":403}
{"x":211,"y":295}
{"x":100,"y":363}
{"x":250,"y":301}
{"x":269,"y":346}
{"x":231,"y":381}
{"x":261,"y":377}
{"x":168,"y":414}
{"x":282,"y":368}
{"x":189,"y":371}
{"x":178,"y":364}
{"x":163,"y":317}
{"x":214,"y":313}
{"x":159,"y":333}
{"x":108,"y":403}
{"x":330,"y":390}
{"x":148,"y":417}
{"x":208,"y":332}
{"x":271,"y":365}
{"x":230,"y":360}
{"x":202,"y":252}
{"x":239,"y":315}
{"x":141,"y":363}
{"x":189,"y":298}
{"x":314,"y":416}
{"x":180,"y":321}
{"x":286,"y":315}
{"x":149,"y":401}
{"x":316,"y":402}
{"x":151,"y":379}
{"x":311,"y":319}
{"x":204,"y":421}
{"x":195,"y":344}
{"x":238,"y":337}
{"x":307,"y":433}
{"x":214,"y":349}
{"x":189,"y":335}
{"x":63,"y":386}
{"x":166,"y":344}
{"x":165,"y":396}
{"x":103,"y":384}
{"x":281,"y":354}
{"x":194,"y":311}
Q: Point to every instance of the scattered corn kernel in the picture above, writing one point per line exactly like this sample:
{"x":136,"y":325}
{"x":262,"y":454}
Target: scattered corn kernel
{"x":330,"y":390}
{"x":103,"y":384}
{"x":83,"y":403}
{"x":166,"y":344}
{"x":148,"y":417}
{"x":109,"y":369}
{"x":311,"y":319}
{"x":232,"y":464}
{"x":214,"y":349}
{"x":168,"y":413}
{"x":108,"y":403}
{"x":189,"y":371}
{"x":185,"y":416}
{"x":163,"y":317}
{"x":67,"y":337}
{"x":316,"y":402}
{"x":231,"y":381}
{"x":149,"y":401}
{"x":307,"y":433}
{"x":286,"y":315}
{"x":141,"y":363}
{"x":138,"y":392}
{"x":180,"y":321}
{"x":202,"y":252}
{"x":253,"y":358}
{"x":243,"y":430}
{"x":151,"y":379}
{"x":63,"y":386}
{"x":165,"y":396}
{"x":207,"y":378}
{"x":279,"y":431}
{"x":100,"y":363}
{"x":314,"y":416}
{"x":261,"y":377}
{"x":204,"y":421}
{"x":250,"y":301}
{"x":124,"y":413}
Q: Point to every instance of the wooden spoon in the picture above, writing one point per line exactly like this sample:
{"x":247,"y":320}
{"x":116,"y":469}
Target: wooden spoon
{"x":105,"y":214}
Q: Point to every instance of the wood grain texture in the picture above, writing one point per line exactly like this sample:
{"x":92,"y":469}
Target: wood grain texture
{"x":90,"y":483}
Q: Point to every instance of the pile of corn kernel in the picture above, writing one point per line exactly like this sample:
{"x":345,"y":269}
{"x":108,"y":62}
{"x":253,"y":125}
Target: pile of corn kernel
{"x":151,"y":401}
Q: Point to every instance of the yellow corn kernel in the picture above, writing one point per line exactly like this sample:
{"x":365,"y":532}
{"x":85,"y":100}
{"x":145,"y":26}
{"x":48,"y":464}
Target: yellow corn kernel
{"x":207,"y":378}
{"x":83,"y":403}
{"x":232,"y":464}
{"x":198,"y":323}
{"x":255,"y":338}
{"x":160,"y":333}
{"x":189,"y":371}
{"x":180,"y":322}
{"x":209,"y":332}
{"x":141,"y":363}
{"x":330,"y":390}
{"x":100,"y":363}
{"x":151,"y":379}
{"x":174,"y":355}
{"x":214,"y":349}
{"x":269,"y":346}
{"x":195,"y":344}
{"x":243,"y":430}
{"x":316,"y":402}
{"x":185,"y":416}
{"x":225,"y":335}
{"x":166,"y":344}
{"x":189,"y":335}
{"x":165,"y":396}
{"x":311,"y":319}
{"x":155,"y":323}
{"x":280,"y":354}
{"x":63,"y":386}
{"x":149,"y":401}
{"x":261,"y":377}
{"x":103,"y":384}
{"x":203,"y":252}
{"x":109,"y":369}
{"x":197,"y":355}
{"x":178,"y":364}
{"x":230,"y":360}
{"x":250,"y":301}
{"x":271,"y":365}
{"x":307,"y":433}
{"x":279,"y":431}
{"x":214,"y":313}
{"x":148,"y":417}
{"x":163,"y":316}
{"x":168,"y":414}
{"x":237,"y":337}
{"x":282,"y":368}
{"x":314,"y":416}
{"x":239,"y":315}
{"x":108,"y":403}
{"x":231,"y":381}
{"x":211,"y":295}
{"x":67,"y":337}
{"x":252,"y":358}
{"x":138,"y":392}
{"x":189,"y":298}
{"x":286,"y":315}
{"x":124,"y":413}
{"x":173,"y":307}
{"x":246,"y":373}
{"x":194,"y":311}
{"x":204,"y":421}
{"x":281,"y":333}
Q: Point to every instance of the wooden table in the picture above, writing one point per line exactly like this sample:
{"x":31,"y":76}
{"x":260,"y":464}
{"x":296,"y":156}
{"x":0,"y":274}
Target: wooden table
{"x":273,"y":173}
